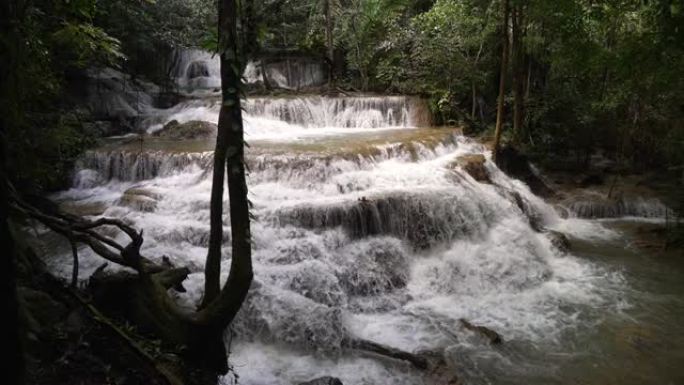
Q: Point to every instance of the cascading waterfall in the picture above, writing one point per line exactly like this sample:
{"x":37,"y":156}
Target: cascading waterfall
{"x":620,"y":207}
{"x":394,"y":244}
{"x":290,"y":118}
{"x":196,"y":69}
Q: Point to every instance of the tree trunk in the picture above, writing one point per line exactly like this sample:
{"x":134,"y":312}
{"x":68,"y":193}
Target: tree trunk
{"x":518,"y":74}
{"x":502,"y":79}
{"x":472,"y":110}
{"x":329,"y":40}
{"x":264,"y":74}
{"x":220,"y":313}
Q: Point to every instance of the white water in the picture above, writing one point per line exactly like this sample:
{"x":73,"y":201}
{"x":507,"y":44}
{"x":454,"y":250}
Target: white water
{"x":290,"y":119}
{"x":393,"y":247}
{"x":196,"y":70}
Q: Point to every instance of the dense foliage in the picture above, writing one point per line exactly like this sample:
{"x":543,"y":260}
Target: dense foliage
{"x":47,"y":44}
{"x":44,"y":42}
{"x":591,"y":75}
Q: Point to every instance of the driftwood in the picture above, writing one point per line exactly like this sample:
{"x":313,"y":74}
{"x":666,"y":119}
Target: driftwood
{"x":141,"y":296}
{"x":80,"y":230}
{"x":416,"y":360}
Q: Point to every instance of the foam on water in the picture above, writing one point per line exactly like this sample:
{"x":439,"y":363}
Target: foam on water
{"x":395,"y":247}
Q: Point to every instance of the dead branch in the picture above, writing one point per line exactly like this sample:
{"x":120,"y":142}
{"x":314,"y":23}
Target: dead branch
{"x":80,"y":230}
{"x":387,"y":351}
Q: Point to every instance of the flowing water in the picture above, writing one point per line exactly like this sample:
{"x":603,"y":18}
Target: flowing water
{"x":366,"y":227}
{"x":196,"y":70}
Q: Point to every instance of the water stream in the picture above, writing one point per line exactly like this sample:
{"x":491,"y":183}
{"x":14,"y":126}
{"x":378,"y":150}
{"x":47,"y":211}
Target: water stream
{"x":365,"y":226}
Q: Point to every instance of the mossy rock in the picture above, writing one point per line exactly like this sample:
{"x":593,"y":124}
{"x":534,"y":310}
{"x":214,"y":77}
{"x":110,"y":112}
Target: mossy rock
{"x":194,"y":129}
{"x":140,"y":199}
{"x":474,"y":165}
{"x":83,"y":208}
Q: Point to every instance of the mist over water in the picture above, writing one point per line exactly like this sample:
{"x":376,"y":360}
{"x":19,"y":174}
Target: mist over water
{"x":391,"y":242}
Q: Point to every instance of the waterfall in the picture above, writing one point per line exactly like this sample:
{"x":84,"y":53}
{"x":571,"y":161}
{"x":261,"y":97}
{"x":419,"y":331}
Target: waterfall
{"x":365,"y":226}
{"x":621,"y":207}
{"x":291,"y":118}
{"x":195,"y":69}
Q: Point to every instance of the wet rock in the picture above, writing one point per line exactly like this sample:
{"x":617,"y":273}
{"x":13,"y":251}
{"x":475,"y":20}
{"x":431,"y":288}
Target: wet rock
{"x":559,"y":240}
{"x":83,"y":208}
{"x":424,"y":220}
{"x":194,"y":129}
{"x":440,"y":370}
{"x":140,"y":199}
{"x":327,"y":380}
{"x":474,"y":164}
{"x":115,"y":100}
{"x":516,"y":165}
{"x":534,"y":218}
{"x":493,"y":337}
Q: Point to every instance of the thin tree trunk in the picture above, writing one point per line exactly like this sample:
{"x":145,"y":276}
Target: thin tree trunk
{"x":229,"y":153}
{"x":74,"y":271}
{"x":528,"y":82}
{"x":230,"y":124}
{"x":264,"y":74}
{"x":518,"y":73}
{"x":329,"y":40}
{"x":472,"y":110}
{"x":502,"y":79}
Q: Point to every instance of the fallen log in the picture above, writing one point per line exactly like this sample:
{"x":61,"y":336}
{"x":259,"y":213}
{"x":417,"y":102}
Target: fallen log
{"x":373,"y":347}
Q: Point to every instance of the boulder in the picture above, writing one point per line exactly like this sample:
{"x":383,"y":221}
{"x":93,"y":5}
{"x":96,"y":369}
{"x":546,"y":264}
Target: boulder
{"x":559,"y":240}
{"x":139,"y":199}
{"x":493,"y":337}
{"x":194,"y":129}
{"x":326,"y":380}
{"x":474,"y":164}
{"x":82,"y":209}
{"x":516,"y":165}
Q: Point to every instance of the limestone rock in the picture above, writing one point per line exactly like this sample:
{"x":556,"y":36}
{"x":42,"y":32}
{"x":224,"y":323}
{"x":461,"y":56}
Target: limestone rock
{"x":194,"y":129}
{"x":83,"y":208}
{"x":559,"y":240}
{"x":516,"y":165}
{"x":140,"y":199}
{"x":474,"y":164}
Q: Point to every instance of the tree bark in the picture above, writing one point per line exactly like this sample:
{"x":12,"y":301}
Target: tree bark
{"x":74,"y":268}
{"x":518,"y":74}
{"x":327,"y":10}
{"x":220,"y":313}
{"x":472,"y":110}
{"x":264,"y":74}
{"x":502,"y":79}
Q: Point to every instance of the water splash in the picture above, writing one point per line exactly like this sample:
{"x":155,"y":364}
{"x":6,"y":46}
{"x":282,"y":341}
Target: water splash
{"x":393,"y":245}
